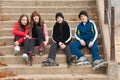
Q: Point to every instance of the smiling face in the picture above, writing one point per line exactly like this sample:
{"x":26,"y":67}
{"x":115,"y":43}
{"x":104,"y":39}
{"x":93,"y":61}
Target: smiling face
{"x":24,"y":20}
{"x":36,"y":19}
{"x":59,"y":19}
{"x":83,"y":18}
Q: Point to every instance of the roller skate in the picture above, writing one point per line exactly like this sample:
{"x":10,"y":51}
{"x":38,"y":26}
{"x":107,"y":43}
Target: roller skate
{"x":31,"y":58}
{"x":82,"y":61}
{"x":26,"y":58}
{"x":16,"y":50}
{"x":99,"y":63}
{"x":49,"y":62}
{"x":70,"y":60}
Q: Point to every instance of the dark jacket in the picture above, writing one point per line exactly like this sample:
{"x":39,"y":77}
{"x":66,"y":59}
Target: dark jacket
{"x":61,"y":33}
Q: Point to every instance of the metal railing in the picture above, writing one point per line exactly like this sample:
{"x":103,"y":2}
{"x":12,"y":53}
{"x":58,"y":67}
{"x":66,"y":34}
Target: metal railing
{"x":109,"y":19}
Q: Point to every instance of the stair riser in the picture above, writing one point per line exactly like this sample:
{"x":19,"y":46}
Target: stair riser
{"x":56,"y":70}
{"x":10,"y":24}
{"x":46,"y":10}
{"x":10,"y":33}
{"x":47,"y":3}
{"x":45,"y":17}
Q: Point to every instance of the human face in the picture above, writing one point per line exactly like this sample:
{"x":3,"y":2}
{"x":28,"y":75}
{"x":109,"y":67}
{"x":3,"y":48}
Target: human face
{"x":36,"y":19}
{"x":83,"y":18}
{"x":24,"y":20}
{"x":59,"y":19}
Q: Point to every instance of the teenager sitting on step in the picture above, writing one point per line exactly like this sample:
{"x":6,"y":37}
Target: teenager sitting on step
{"x":22,"y":38}
{"x":61,"y":37}
{"x":38,"y":32}
{"x":86,"y":35}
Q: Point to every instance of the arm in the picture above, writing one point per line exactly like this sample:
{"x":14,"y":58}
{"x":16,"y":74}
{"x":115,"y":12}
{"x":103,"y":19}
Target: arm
{"x":18,"y":32}
{"x":95,"y":32}
{"x":46,"y":34}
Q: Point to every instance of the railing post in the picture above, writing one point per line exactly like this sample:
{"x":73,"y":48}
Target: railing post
{"x":106,"y":11}
{"x":112,"y":56}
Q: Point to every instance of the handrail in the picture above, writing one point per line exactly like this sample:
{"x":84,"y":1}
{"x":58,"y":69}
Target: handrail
{"x":109,"y":19}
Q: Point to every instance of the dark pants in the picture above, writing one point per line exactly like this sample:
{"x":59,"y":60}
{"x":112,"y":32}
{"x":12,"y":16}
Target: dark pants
{"x":27,"y":44}
{"x":38,"y":34}
{"x":76,"y":46}
{"x":53,"y":49}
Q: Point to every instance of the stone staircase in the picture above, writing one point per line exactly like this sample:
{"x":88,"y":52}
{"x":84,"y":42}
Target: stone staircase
{"x":10,"y":10}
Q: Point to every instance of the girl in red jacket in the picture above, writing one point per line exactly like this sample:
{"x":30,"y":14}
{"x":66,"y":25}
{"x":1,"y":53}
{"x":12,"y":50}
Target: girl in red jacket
{"x":38,"y":32}
{"x":22,"y":38}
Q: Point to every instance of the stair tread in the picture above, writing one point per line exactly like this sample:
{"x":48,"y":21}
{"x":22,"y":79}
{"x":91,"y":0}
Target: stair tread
{"x":61,"y":65}
{"x":48,"y":0}
{"x":47,"y":7}
{"x":62,"y":76}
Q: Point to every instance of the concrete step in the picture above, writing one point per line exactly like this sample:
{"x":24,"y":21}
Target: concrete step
{"x":72,"y":24}
{"x":61,"y":69}
{"x":10,"y":39}
{"x":45,"y":9}
{"x":9,"y":49}
{"x":47,"y":2}
{"x":8,"y":31}
{"x":45,"y":16}
{"x":61,"y":77}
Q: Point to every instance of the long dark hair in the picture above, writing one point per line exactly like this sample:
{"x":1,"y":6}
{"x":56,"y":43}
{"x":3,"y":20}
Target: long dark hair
{"x":19,"y":20}
{"x":41,"y":22}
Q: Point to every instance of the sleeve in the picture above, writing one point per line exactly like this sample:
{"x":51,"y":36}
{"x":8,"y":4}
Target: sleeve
{"x":45,"y":29}
{"x":18,"y":32}
{"x":95,"y":31}
{"x":54,"y":34}
{"x":68,"y":33}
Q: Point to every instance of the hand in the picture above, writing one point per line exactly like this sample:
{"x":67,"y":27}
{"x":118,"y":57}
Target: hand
{"x":16,"y":43}
{"x":27,"y":36}
{"x":90,"y":44}
{"x":62,"y":45}
{"x":45,"y":42}
{"x":82,"y":42}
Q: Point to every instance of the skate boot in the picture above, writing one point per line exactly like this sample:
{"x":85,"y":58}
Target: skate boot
{"x":31,"y":58}
{"x":70,"y":60}
{"x":82,"y":61}
{"x":41,"y":49}
{"x":16,"y":50}
{"x":99,"y":63}
{"x":26,"y":58}
{"x":49,"y":62}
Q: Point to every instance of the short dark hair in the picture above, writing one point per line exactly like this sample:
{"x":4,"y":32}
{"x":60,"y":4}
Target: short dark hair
{"x":83,"y":13}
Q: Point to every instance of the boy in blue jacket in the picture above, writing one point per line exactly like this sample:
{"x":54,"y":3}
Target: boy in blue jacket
{"x":86,"y":35}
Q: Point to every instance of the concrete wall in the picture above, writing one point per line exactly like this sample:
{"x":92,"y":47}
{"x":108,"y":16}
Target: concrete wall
{"x":117,"y":12}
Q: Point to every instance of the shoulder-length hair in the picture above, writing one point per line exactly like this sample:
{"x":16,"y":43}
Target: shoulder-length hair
{"x":41,"y":22}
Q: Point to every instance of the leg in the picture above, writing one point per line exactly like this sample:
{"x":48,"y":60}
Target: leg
{"x":94,"y":50}
{"x":53,"y":50}
{"x":75,"y":48}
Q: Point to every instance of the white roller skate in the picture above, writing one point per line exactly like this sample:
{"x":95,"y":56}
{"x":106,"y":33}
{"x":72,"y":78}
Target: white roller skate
{"x":16,"y":50}
{"x":82,"y":61}
{"x":99,"y":63}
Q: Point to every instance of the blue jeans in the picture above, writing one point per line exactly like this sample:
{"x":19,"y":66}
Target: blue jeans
{"x":76,"y":46}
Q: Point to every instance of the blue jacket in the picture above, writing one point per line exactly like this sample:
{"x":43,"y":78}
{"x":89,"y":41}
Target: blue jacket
{"x":87,"y":32}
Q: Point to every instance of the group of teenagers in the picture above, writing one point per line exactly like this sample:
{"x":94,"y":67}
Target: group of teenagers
{"x":35,"y":33}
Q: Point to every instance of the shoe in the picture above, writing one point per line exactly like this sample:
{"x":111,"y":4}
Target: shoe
{"x":41,"y":47}
{"x":83,"y":61}
{"x":99,"y":63}
{"x":70,"y":60}
{"x":26,"y":58}
{"x":49,"y":62}
{"x":31,"y":57}
{"x":16,"y":50}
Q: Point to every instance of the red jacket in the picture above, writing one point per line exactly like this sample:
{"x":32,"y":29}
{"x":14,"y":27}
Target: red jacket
{"x":17,"y":32}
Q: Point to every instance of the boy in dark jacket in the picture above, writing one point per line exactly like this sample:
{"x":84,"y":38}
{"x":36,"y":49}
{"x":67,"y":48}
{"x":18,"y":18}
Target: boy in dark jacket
{"x":86,"y":35}
{"x":61,"y":37}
